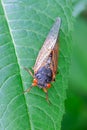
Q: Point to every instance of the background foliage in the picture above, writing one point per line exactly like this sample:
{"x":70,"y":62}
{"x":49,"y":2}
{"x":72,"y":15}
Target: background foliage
{"x":76,"y":103}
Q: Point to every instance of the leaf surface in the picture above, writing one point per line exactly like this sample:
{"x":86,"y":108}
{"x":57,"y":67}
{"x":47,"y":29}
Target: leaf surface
{"x":24,"y":26}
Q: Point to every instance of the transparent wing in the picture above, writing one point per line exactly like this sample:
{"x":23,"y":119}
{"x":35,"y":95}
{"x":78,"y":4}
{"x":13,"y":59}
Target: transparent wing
{"x":48,"y":45}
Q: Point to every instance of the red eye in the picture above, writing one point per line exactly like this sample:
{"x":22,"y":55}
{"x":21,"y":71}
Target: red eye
{"x":48,"y":85}
{"x":35,"y":81}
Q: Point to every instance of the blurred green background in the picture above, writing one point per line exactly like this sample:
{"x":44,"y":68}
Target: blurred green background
{"x":75,"y":117}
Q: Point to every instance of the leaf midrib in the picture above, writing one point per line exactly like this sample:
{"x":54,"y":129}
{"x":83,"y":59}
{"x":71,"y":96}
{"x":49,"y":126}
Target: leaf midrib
{"x":27,"y":110}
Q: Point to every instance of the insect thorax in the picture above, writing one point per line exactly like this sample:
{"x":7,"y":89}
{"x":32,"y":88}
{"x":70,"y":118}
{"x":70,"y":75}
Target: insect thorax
{"x":44,"y":74}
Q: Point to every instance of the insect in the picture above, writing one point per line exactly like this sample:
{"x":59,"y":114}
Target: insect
{"x":45,"y":68}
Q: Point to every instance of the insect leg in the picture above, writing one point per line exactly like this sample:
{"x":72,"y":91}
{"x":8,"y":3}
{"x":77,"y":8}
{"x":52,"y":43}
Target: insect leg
{"x":45,"y":90}
{"x":28,"y":90}
{"x":29,"y":71}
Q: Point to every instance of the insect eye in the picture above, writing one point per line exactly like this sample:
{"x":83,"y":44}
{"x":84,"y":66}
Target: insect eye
{"x":48,"y":85}
{"x":35,"y":81}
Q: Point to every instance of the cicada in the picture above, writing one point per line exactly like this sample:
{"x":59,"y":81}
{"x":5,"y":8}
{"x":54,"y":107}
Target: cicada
{"x":45,"y":68}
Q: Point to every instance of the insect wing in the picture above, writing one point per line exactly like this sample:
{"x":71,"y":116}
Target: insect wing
{"x":48,"y":45}
{"x":54,"y":63}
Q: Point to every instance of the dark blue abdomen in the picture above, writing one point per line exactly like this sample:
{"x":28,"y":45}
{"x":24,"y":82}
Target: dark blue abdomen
{"x":44,"y":76}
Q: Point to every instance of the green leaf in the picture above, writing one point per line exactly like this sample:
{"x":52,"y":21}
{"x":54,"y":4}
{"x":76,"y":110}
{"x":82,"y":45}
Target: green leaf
{"x":78,"y":76}
{"x":76,"y":104}
{"x":78,"y":70}
{"x":24,"y":26}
